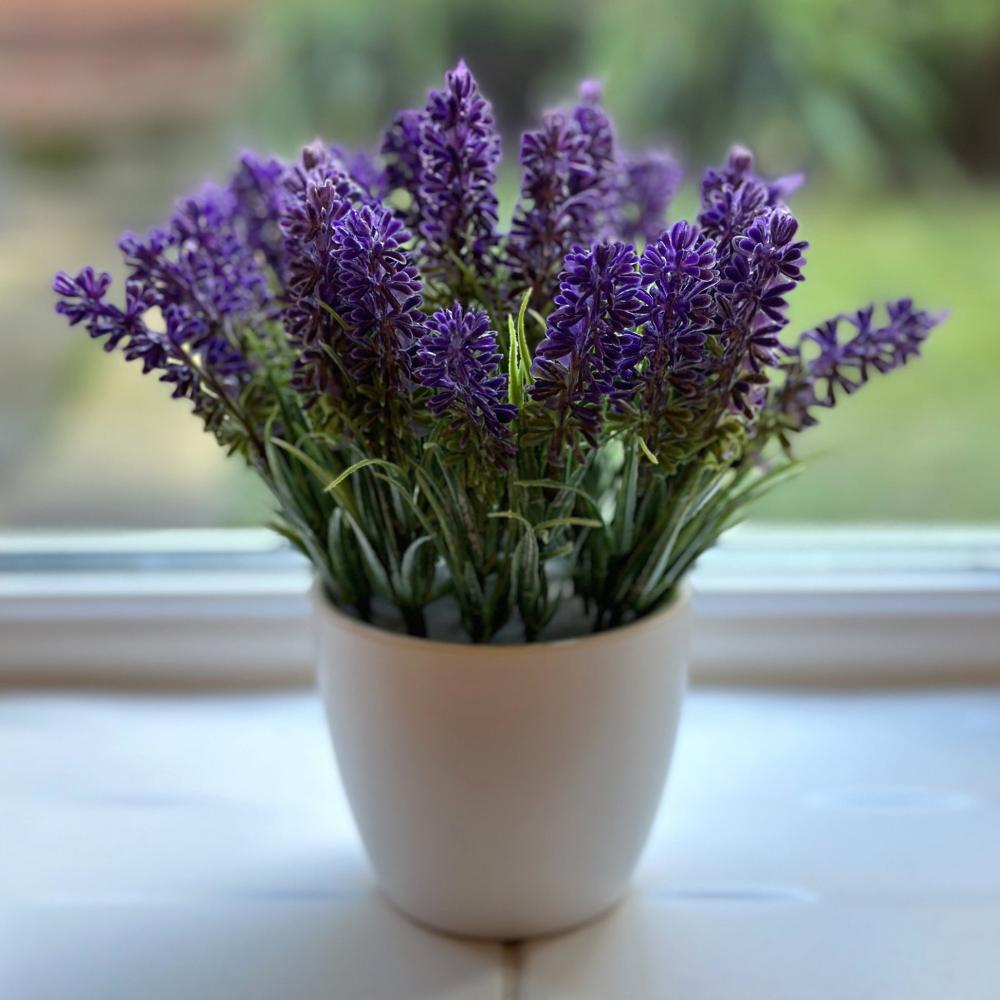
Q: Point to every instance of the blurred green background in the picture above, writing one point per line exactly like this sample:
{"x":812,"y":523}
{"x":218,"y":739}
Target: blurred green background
{"x":108,"y":109}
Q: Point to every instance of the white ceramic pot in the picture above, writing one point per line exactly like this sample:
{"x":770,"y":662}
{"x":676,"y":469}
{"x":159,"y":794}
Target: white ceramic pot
{"x":504,"y":791}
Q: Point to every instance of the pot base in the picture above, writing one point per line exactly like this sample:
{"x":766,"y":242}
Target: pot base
{"x":507,"y":932}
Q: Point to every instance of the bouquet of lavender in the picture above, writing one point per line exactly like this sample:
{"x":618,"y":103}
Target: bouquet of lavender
{"x":570,"y":411}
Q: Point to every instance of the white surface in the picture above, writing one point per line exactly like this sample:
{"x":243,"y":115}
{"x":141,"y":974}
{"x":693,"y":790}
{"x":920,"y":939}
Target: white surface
{"x":810,"y":847}
{"x":504,"y":792}
{"x":178,"y":848}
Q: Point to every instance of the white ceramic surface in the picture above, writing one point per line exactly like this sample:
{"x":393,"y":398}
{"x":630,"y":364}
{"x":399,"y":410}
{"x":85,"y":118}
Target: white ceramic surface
{"x":504,"y":791}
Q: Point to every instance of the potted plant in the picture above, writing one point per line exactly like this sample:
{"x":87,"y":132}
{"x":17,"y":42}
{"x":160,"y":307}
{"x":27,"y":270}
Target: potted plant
{"x":502,"y":453}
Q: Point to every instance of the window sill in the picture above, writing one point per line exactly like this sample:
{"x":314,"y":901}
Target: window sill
{"x":843,"y":605}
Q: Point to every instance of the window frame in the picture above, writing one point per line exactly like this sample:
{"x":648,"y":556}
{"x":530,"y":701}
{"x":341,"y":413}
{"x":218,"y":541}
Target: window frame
{"x":784,"y":604}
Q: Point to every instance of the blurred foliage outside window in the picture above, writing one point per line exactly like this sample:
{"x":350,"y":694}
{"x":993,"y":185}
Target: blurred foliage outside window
{"x":109,"y":109}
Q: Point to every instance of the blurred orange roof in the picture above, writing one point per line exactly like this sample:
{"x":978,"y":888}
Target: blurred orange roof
{"x":103,"y":63}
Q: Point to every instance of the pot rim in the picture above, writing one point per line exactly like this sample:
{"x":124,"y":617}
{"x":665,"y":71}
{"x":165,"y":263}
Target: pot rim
{"x":324,"y":606}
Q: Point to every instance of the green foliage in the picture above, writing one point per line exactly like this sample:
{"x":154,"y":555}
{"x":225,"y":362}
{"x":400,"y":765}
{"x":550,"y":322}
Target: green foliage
{"x":868,"y":91}
{"x":610,"y":528}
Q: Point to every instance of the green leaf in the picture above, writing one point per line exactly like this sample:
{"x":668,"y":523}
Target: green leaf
{"x":531,"y":597}
{"x":357,"y":467}
{"x":554,"y":484}
{"x":454,"y":551}
{"x":514,"y":386}
{"x":313,"y":466}
{"x":376,"y":571}
{"x":512,"y":515}
{"x":524,"y":351}
{"x":333,"y":312}
{"x":580,"y":522}
{"x":295,"y":501}
{"x":624,"y":523}
{"x":561,"y":552}
{"x":408,"y":567}
{"x":343,"y":563}
{"x":644,"y":448}
{"x":689,"y":511}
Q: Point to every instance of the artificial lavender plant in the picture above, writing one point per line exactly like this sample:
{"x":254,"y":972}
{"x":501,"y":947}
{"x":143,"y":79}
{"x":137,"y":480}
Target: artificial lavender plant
{"x":447,"y":414}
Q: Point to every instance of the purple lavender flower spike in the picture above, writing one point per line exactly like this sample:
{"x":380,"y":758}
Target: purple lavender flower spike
{"x":313,"y":287}
{"x":588,"y":352}
{"x":321,"y":162}
{"x":780,"y":188}
{"x":682,"y":252}
{"x":732,"y":198}
{"x":210,"y":286}
{"x":320,"y":193}
{"x":763,"y":265}
{"x":595,"y":185}
{"x":841,"y":366}
{"x":459,"y":359}
{"x":221,"y":270}
{"x":543,"y":226}
{"x":680,"y":273}
{"x":200,"y":262}
{"x":768,"y":247}
{"x":401,"y":149}
{"x":766,"y":265}
{"x":366,"y":173}
{"x":260,"y":198}
{"x":379,"y":295}
{"x":308,"y":225}
{"x":459,"y":151}
{"x":650,"y":181}
{"x":82,"y":299}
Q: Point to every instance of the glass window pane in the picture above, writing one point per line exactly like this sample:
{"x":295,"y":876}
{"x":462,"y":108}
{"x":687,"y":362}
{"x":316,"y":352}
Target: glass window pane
{"x":109,"y":109}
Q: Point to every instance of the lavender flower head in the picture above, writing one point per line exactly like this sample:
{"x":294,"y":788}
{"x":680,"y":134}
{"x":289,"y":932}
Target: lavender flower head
{"x":765,"y":265}
{"x":207,"y":284}
{"x":731,"y":198}
{"x":459,"y":359}
{"x":208,"y":373}
{"x":823,"y":364}
{"x":589,"y":350}
{"x":595,"y":184}
{"x":401,"y":149}
{"x":379,"y":296}
{"x":545,"y":225}
{"x":681,"y":273}
{"x":81,"y":299}
{"x":764,"y":268}
{"x":760,"y":263}
{"x":459,"y":151}
{"x":198,"y":262}
{"x":259,"y":194}
{"x":649,"y":183}
{"x":319,"y":195}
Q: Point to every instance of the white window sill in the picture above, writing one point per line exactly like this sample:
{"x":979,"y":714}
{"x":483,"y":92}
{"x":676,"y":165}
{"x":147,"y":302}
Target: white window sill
{"x":832,"y":606}
{"x":810,"y":845}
